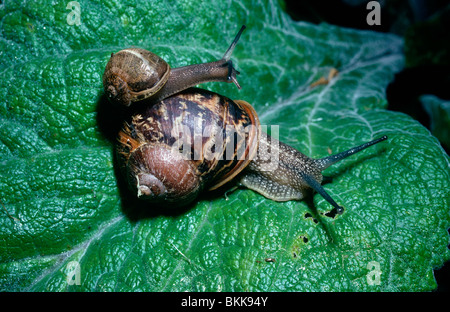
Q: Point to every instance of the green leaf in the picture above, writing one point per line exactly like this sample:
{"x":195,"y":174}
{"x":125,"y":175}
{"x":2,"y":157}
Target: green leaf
{"x":439,"y":113}
{"x":65,"y":224}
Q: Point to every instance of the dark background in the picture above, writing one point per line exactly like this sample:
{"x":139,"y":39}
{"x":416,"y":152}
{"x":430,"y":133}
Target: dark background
{"x":425,"y":27}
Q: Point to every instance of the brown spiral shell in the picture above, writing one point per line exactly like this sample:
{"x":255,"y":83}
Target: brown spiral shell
{"x":134,"y":74}
{"x":159,"y":169}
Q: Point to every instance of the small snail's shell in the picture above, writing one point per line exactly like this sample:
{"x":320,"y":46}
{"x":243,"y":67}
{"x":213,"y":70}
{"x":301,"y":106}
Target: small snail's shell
{"x":134,"y":74}
{"x":150,"y":153}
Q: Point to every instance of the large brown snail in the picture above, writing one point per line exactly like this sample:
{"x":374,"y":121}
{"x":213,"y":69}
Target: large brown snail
{"x":197,"y":140}
{"x":135,"y":74}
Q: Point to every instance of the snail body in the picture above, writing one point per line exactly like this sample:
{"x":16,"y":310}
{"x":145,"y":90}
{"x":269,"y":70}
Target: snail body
{"x":134,"y":74}
{"x":196,"y":140}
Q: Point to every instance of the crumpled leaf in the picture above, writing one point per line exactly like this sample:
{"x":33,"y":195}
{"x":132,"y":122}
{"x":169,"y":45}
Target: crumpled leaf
{"x":67,"y":224}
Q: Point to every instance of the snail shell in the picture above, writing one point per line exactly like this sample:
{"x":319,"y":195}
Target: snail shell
{"x":189,"y":142}
{"x":133,"y":75}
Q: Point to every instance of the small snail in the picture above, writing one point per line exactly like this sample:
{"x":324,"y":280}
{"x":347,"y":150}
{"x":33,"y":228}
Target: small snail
{"x":135,"y":74}
{"x":197,"y":140}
